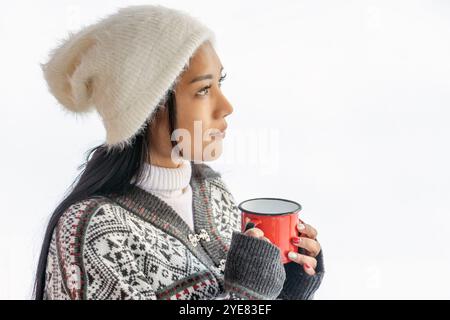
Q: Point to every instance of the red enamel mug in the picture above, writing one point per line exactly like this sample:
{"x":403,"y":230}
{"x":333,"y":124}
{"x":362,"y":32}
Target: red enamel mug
{"x":277,"y":218}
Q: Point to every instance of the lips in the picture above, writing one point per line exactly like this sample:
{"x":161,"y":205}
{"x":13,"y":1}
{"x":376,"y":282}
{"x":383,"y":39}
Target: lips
{"x":218,"y":134}
{"x":221,"y":133}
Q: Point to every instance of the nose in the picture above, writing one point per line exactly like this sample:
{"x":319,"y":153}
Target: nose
{"x":225,"y":107}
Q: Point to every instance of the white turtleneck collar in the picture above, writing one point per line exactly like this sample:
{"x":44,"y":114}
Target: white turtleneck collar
{"x":166,"y":182}
{"x":172,"y":186}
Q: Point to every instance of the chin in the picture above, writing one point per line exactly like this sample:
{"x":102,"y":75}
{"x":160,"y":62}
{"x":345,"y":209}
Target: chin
{"x":212,"y":151}
{"x":211,"y":158}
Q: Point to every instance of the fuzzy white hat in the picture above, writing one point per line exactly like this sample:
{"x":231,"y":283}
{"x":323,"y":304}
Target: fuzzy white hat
{"x":123,"y":66}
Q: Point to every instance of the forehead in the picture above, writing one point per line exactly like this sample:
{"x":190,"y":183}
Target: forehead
{"x":204,"y":60}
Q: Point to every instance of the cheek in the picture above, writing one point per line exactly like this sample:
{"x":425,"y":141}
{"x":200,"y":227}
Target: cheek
{"x":192,"y":108}
{"x":194,"y":115}
{"x":196,"y":119}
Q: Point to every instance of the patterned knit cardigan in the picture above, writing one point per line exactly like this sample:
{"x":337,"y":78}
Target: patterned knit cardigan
{"x":135,"y":246}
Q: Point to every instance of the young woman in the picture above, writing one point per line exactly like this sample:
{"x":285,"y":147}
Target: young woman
{"x":147,"y":218}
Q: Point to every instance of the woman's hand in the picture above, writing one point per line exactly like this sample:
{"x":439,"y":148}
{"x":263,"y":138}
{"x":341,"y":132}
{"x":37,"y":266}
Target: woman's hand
{"x":254,"y":232}
{"x":257,"y":233}
{"x":307,"y":239}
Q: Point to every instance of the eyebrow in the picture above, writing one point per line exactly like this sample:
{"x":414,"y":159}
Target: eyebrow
{"x":204,"y":77}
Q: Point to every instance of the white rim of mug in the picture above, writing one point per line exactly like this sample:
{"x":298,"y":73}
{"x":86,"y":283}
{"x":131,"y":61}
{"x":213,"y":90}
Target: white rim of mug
{"x":270,"y":214}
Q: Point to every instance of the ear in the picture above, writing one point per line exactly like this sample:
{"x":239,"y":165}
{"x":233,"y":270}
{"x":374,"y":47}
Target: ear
{"x":70,"y":71}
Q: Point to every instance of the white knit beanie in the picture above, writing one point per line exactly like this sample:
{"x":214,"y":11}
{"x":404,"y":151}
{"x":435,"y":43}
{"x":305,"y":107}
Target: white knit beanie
{"x":123,"y":66}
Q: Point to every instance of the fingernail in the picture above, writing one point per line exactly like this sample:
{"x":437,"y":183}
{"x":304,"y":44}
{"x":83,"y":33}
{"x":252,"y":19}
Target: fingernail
{"x":292,"y":255}
{"x":310,"y":270}
{"x":296,"y":239}
{"x":301,"y":227}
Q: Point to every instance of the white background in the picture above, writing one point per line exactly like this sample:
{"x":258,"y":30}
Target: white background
{"x":344,"y":107}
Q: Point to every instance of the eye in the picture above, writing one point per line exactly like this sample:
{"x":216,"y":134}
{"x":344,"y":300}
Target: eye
{"x":204,"y":90}
{"x":222,"y":77}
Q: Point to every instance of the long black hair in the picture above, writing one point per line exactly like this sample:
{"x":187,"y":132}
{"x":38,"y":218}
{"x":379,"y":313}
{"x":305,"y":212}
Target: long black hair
{"x":105,"y":170}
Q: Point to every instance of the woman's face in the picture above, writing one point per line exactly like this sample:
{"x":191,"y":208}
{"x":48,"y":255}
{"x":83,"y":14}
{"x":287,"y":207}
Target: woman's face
{"x":201,"y":109}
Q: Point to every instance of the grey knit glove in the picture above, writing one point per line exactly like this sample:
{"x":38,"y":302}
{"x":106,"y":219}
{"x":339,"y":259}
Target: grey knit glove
{"x":253,"y":268}
{"x":299,"y":285}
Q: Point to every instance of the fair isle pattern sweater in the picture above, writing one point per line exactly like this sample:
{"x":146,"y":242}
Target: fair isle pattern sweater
{"x":135,"y":246}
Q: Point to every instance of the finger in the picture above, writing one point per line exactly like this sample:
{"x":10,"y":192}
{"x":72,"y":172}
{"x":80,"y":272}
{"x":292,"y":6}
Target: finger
{"x":254,"y":232}
{"x":308,"y":269}
{"x":249,"y":225}
{"x":307,"y":230}
{"x":308,"y":263}
{"x":312,"y":246}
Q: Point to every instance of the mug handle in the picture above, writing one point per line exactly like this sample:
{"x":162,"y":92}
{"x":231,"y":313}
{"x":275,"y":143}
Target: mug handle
{"x":251,"y":223}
